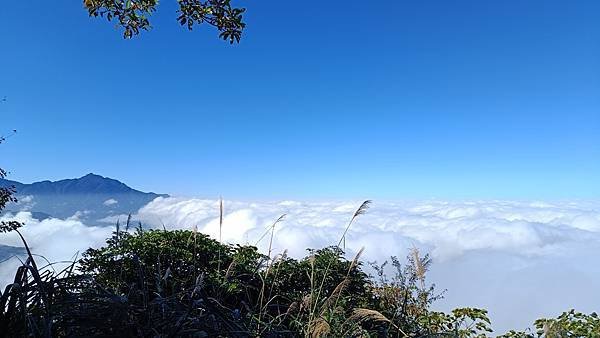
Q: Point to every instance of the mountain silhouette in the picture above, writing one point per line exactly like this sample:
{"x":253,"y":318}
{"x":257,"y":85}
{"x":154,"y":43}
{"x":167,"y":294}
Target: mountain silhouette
{"x":90,"y":198}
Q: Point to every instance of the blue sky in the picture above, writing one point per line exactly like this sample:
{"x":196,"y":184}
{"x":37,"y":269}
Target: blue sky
{"x":322,"y":99}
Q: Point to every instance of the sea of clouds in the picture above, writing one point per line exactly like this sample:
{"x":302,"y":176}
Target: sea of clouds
{"x":521,"y":260}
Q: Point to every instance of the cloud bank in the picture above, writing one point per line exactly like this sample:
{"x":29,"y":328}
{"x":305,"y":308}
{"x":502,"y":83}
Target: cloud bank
{"x":57,"y":240}
{"x":536,"y":257}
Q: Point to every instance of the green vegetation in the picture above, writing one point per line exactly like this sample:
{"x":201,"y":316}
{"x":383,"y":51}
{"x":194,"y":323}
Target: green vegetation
{"x":7,"y":196}
{"x":133,"y":15}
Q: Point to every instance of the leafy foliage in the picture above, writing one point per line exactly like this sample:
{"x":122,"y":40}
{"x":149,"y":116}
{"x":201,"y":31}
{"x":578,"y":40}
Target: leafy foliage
{"x":570,"y":324}
{"x":7,"y":196}
{"x":461,"y":323}
{"x":133,"y":15}
{"x":406,"y":297}
{"x":243,"y":286}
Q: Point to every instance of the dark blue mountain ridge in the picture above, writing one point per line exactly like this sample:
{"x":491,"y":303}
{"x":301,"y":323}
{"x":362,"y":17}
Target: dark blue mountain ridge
{"x":88,"y":184}
{"x":91,"y":197}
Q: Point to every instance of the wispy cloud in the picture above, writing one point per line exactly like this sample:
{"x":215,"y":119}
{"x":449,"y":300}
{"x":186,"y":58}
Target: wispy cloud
{"x":110,"y":201}
{"x":25,"y":202}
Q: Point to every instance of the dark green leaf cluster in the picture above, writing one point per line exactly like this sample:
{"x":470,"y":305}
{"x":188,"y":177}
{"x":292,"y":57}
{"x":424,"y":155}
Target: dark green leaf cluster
{"x":133,"y":15}
{"x":217,"y":13}
{"x":406,"y":297}
{"x":7,"y":196}
{"x":249,"y":292}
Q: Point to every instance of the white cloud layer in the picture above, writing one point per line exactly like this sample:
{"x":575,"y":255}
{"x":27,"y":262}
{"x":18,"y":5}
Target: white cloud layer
{"x":55,"y":239}
{"x":520,"y":260}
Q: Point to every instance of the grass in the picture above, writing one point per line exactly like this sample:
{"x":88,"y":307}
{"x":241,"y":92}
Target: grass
{"x":360,"y":211}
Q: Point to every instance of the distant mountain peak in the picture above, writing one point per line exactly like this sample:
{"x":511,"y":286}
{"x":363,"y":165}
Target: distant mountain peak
{"x":87,"y":184}
{"x":94,"y":194}
{"x":92,"y":175}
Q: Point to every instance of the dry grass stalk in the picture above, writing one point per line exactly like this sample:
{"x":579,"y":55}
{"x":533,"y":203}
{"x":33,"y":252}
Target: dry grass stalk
{"x":221,"y":210}
{"x":194,"y":235}
{"x":230,"y":269}
{"x":276,"y":261}
{"x":360,"y":211}
{"x":419,"y":267}
{"x":306,"y":302}
{"x":127,"y":223}
{"x":360,"y":315}
{"x":549,"y":331}
{"x":280,"y":219}
{"x":269,"y":265}
{"x":292,"y":308}
{"x":355,"y":260}
{"x":311,"y":260}
{"x":335,"y":295}
{"x":319,"y":328}
{"x":279,"y":259}
{"x":167,"y":274}
{"x":199,"y":284}
{"x":546,"y":329}
{"x":347,"y":279}
{"x":270,"y":229}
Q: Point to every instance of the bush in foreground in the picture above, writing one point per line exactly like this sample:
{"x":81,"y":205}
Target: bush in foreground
{"x":154,"y":283}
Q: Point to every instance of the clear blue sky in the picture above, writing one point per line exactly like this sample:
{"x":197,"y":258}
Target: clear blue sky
{"x":343,"y":99}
